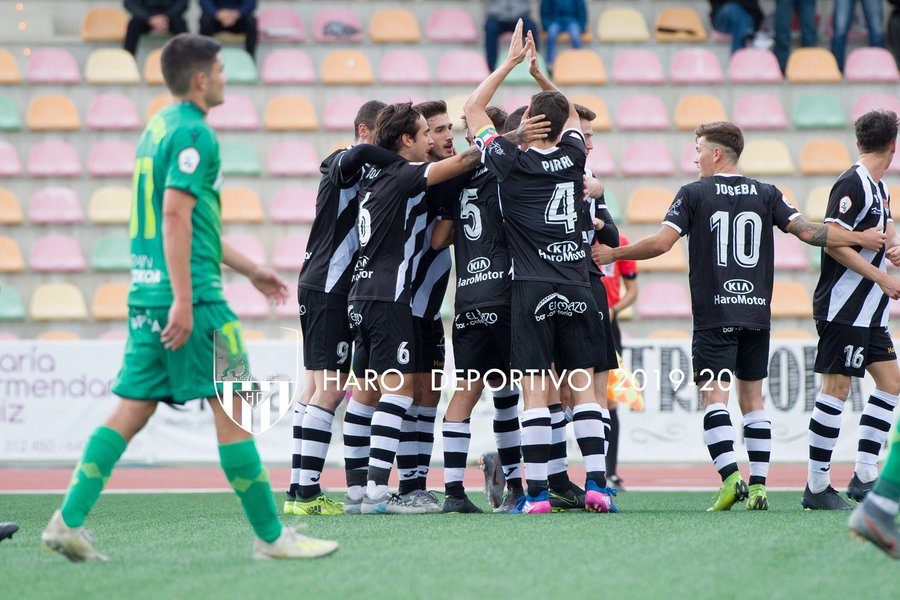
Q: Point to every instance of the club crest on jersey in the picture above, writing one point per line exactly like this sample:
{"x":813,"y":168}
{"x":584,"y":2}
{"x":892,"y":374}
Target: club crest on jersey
{"x":188,"y":160}
{"x":566,"y":251}
{"x":844,"y":204}
{"x":673,"y":210}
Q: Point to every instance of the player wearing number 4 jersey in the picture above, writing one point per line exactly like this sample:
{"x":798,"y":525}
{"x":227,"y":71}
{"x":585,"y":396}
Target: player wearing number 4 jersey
{"x":729,"y":219}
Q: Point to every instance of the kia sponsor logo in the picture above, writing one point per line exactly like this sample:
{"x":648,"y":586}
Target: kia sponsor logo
{"x":477,"y":265}
{"x":562,"y":247}
{"x":738,"y":286}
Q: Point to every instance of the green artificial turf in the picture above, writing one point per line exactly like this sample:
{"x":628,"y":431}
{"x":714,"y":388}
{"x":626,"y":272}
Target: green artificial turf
{"x":662,"y":545}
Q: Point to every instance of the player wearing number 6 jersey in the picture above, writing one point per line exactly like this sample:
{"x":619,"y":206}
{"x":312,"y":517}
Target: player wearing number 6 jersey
{"x":729,"y":219}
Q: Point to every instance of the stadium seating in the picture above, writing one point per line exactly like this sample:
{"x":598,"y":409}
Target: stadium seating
{"x":56,"y":253}
{"x":111,"y":158}
{"x":673,"y":260}
{"x":288,"y":66}
{"x":824,"y":157}
{"x":602,"y":122}
{"x":112,"y":112}
{"x":791,"y":334}
{"x":281,"y":24}
{"x":816,"y":203}
{"x":235,"y":113}
{"x":579,"y":67}
{"x":292,"y":158}
{"x":53,"y":113}
{"x":669,"y":334}
{"x":600,"y":161}
{"x":681,"y":24}
{"x":104,"y":24}
{"x":9,"y":160}
{"x":9,"y":68}
{"x":340,"y":112}
{"x":241,"y":205}
{"x":642,"y":113}
{"x":513,"y":102}
{"x":10,"y":209}
{"x":647,"y":158}
{"x":459,"y":67}
{"x":754,"y":65}
{"x":57,"y":302}
{"x":663,"y":299}
{"x":246,"y":301}
{"x":350,"y":67}
{"x":110,"y":205}
{"x":691,"y":111}
{"x":871,"y":65}
{"x":110,"y":302}
{"x":451,"y":25}
{"x":58,"y":335}
{"x":791,"y":299}
{"x":53,"y":66}
{"x":153,"y":68}
{"x":394,"y":25}
{"x":622,"y":24}
{"x":111,"y":253}
{"x":12,"y":308}
{"x":766,"y":157}
{"x":111,"y":66}
{"x":648,"y":205}
{"x":520,"y":75}
{"x":55,"y":205}
{"x":291,"y":113}
{"x":686,"y":164}
{"x":289,"y":252}
{"x":239,"y":158}
{"x":9,"y":115}
{"x":790,"y":254}
{"x":115,"y":333}
{"x":695,"y":66}
{"x":158,"y":103}
{"x":818,"y":111}
{"x":402,"y":66}
{"x":11,"y":260}
{"x":238,"y":66}
{"x":293,"y":204}
{"x":249,"y":245}
{"x":53,"y":158}
{"x":639,"y":67}
{"x":759,"y":111}
{"x":812,"y":65}
{"x":870,"y":102}
{"x":331,"y":21}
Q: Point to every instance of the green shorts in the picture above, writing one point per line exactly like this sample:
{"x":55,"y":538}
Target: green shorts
{"x":150,"y":372}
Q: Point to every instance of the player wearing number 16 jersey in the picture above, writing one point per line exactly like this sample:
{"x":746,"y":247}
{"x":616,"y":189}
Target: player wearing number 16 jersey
{"x":729,"y":219}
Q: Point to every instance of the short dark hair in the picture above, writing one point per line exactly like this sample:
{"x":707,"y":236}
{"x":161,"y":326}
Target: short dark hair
{"x":367,"y":114}
{"x":555,"y":108}
{"x":724,"y":134}
{"x":585,"y":113}
{"x":185,"y":55}
{"x":514,"y":119}
{"x":431,"y":108}
{"x":395,"y":120}
{"x":498,"y":118}
{"x":876,"y":130}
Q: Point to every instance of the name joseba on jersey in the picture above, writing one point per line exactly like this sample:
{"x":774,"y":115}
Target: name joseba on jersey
{"x":387,"y":224}
{"x":729,"y":219}
{"x":541,"y":192}
{"x":856,"y":203}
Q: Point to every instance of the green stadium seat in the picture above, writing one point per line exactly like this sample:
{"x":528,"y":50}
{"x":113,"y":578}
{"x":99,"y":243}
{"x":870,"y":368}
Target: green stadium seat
{"x":819,"y":111}
{"x":520,"y":74}
{"x":9,"y":115}
{"x":239,"y":158}
{"x":613,"y":205}
{"x":11,"y":306}
{"x":111,"y":253}
{"x":239,"y":66}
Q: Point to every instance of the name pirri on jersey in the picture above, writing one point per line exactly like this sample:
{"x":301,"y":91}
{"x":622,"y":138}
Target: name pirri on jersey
{"x":843,"y":296}
{"x":729,"y":219}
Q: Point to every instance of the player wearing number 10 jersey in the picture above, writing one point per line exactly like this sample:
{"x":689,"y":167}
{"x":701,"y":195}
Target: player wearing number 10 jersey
{"x":729,"y":219}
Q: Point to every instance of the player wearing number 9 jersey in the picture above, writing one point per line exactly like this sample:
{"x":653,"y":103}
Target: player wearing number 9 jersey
{"x":729,"y":219}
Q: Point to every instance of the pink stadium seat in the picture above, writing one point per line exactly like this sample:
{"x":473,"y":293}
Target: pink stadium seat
{"x":288,"y":66}
{"x":404,"y":97}
{"x":288,"y":310}
{"x":600,"y":161}
{"x":648,"y":158}
{"x":790,"y":254}
{"x":875,"y":65}
{"x":686,"y":164}
{"x":331,"y":21}
{"x":116,"y":333}
{"x":340,"y":112}
{"x":111,"y":158}
{"x":293,"y":205}
{"x":642,"y":113}
{"x":516,"y":101}
{"x":894,"y":166}
{"x":638,"y":67}
{"x":54,"y":158}
{"x":282,"y":24}
{"x":249,"y":245}
{"x":871,"y":102}
{"x":462,"y":67}
{"x":695,"y":65}
{"x":55,"y":205}
{"x":246,"y":301}
{"x":56,"y":253}
{"x":451,"y":24}
{"x":753,"y":65}
{"x":759,"y":111}
{"x":236,"y":113}
{"x":404,"y":66}
{"x":9,"y":160}
{"x":289,"y":252}
{"x":663,"y":299}
{"x":7,"y":336}
{"x":53,"y":65}
{"x":113,"y":111}
{"x":292,"y":158}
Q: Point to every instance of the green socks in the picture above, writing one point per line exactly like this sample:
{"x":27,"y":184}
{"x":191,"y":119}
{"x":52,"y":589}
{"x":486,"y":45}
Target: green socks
{"x":250,"y":481}
{"x":888,"y":484}
{"x":101,"y":453}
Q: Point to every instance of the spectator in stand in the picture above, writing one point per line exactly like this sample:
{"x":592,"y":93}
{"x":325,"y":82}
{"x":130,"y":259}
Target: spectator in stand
{"x":235,"y":16}
{"x":558,"y":16}
{"x":156,"y":16}
{"x":844,"y":10}
{"x":500,"y":16}
{"x":784,"y":15}
{"x":739,"y":18}
{"x":893,"y":30}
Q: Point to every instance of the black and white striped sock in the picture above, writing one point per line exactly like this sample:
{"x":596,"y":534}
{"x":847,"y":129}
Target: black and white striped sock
{"x":296,"y":448}
{"x":408,"y":452}
{"x":758,"y":437}
{"x":425,"y":435}
{"x":509,"y":437}
{"x":386,"y":423}
{"x":824,"y":428}
{"x":456,"y":452}
{"x":718,"y":434}
{"x":587,"y":419}
{"x":536,"y":448}
{"x":556,"y":466}
{"x":316,"y":439}
{"x":874,"y":426}
{"x":357,"y":430}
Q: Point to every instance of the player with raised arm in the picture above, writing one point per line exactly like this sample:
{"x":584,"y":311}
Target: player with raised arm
{"x":729,"y":218}
{"x":850,"y":309}
{"x":179,"y":322}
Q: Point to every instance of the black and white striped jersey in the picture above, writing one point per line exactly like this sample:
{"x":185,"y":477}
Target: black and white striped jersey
{"x":843,"y":296}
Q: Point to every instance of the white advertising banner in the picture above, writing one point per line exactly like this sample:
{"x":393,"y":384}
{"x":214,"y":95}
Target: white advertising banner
{"x":53,"y":395}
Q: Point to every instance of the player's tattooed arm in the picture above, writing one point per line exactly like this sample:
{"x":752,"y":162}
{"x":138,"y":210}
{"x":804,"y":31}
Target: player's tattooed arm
{"x":835,"y":236}
{"x":449,"y":168}
{"x":814,"y":234}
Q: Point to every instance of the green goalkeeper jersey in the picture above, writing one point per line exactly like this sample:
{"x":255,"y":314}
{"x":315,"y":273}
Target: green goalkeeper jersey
{"x":178,"y":150}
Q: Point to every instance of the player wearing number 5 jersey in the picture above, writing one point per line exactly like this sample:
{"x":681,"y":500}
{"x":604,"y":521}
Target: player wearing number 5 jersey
{"x":729,"y":219}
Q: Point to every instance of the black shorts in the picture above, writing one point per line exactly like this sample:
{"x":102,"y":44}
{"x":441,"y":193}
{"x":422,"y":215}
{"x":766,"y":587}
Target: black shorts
{"x":554,"y":322}
{"x":616,"y":335}
{"x":481,"y":339}
{"x":848,"y":350}
{"x":385,"y":337}
{"x":430,"y":351}
{"x":327,"y":339}
{"x":724,"y":353}
{"x":608,"y":361}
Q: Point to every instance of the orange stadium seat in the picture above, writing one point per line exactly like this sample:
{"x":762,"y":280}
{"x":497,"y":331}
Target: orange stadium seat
{"x":288,"y":66}
{"x":153,"y":68}
{"x":253,"y":334}
{"x":111,"y":302}
{"x":281,"y":24}
{"x":622,"y":25}
{"x":669,"y":334}
{"x":347,"y":67}
{"x":11,"y":260}
{"x":104,"y":24}
{"x":691,"y":111}
{"x":790,"y":255}
{"x":642,"y":113}
{"x":824,"y":157}
{"x":236,"y":113}
{"x":9,"y":160}
{"x":647,"y":158}
{"x":871,"y":102}
{"x":158,"y":103}
{"x":58,"y":335}
{"x":871,"y":65}
{"x":759,"y":111}
{"x":695,"y":65}
{"x":289,"y":158}
{"x":451,"y":24}
{"x":111,"y":158}
{"x":9,"y":68}
{"x":648,"y":205}
{"x":394,"y":25}
{"x":596,"y":104}
{"x":754,"y":65}
{"x":53,"y":113}
{"x":53,"y":158}
{"x":766,"y":157}
{"x":340,"y":112}
{"x":337,"y":25}
{"x":462,"y":66}
{"x":686,"y":164}
{"x":55,"y":205}
{"x":791,"y":299}
{"x":673,"y":260}
{"x":817,"y":203}
{"x":600,"y":161}
{"x":293,"y":204}
{"x":663,"y":299}
{"x":110,"y":205}
{"x":57,"y":302}
{"x":53,"y":65}
{"x":241,"y":205}
{"x":679,"y":25}
{"x":291,"y":113}
{"x":246,"y":301}
{"x":10,"y":208}
{"x":112,"y":112}
{"x":812,"y":65}
{"x":638,"y":66}
{"x":249,"y":244}
{"x":403,"y":66}
{"x":289,"y":251}
{"x":579,"y":67}
{"x":56,"y":253}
